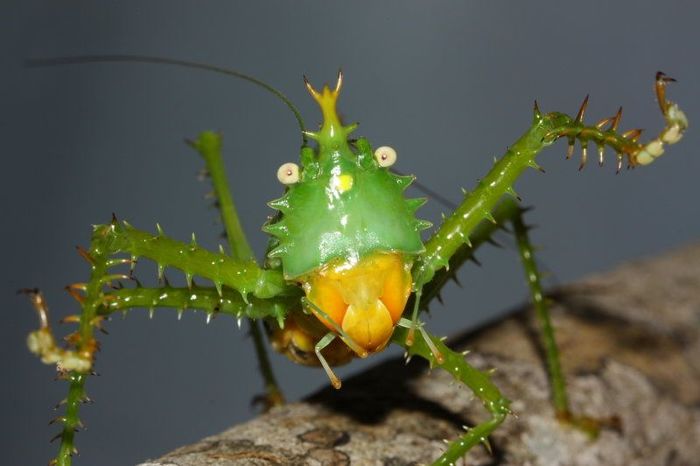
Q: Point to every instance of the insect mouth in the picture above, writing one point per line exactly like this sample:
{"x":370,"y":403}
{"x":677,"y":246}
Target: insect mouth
{"x":370,"y":325}
{"x":297,"y":339}
{"x":365,"y":298}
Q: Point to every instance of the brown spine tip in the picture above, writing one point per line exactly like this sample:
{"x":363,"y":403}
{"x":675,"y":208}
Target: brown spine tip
{"x":616,"y":120}
{"x":85,"y":254}
{"x":661,"y":80}
{"x":36,"y":297}
{"x":537,"y":114}
{"x":582,"y":110}
{"x":603,"y":122}
{"x":661,"y":76}
{"x":74,"y":291}
{"x":314,"y":93}
{"x":632,"y":134}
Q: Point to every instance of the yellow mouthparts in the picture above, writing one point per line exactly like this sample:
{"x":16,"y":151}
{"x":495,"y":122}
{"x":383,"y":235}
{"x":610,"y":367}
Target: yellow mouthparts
{"x":364,"y":298}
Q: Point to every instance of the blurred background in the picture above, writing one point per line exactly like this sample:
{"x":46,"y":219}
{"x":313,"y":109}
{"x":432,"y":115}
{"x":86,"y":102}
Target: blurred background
{"x":448,"y":84}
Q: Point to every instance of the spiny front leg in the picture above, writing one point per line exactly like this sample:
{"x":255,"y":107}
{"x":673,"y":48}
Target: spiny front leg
{"x":75,"y":363}
{"x":478,"y":204}
{"x":244,"y":276}
{"x":201,"y":298}
{"x":102,"y":295}
{"x":478,"y":382}
{"x":604,"y":133}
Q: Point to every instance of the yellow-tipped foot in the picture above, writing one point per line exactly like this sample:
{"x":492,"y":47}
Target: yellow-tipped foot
{"x":269,"y":400}
{"x":589,"y":425}
{"x":411,"y":336}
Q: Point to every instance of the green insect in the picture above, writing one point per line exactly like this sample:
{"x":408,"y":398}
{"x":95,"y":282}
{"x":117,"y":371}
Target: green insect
{"x":346,"y":271}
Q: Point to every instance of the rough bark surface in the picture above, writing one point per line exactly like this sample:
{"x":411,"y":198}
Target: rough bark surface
{"x":631,"y":348}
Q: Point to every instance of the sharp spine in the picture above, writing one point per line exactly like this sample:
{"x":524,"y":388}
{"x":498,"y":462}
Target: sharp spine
{"x":582,"y":110}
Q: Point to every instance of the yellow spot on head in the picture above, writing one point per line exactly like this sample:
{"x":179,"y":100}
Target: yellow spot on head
{"x":300,"y":335}
{"x":342,"y":183}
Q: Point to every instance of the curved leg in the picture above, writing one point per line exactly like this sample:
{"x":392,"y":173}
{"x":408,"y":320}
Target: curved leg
{"x":478,"y":382}
{"x":548,"y":340}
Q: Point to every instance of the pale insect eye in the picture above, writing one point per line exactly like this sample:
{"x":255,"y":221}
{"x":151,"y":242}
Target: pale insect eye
{"x":288,"y":173}
{"x":385,"y":155}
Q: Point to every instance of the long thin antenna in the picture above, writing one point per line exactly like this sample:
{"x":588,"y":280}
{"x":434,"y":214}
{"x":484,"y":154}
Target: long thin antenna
{"x":81,"y":59}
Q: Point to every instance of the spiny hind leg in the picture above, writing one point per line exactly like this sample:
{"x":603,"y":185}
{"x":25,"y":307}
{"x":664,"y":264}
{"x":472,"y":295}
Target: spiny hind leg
{"x":604,"y":133}
{"x":209,"y":145}
{"x":273,"y":395}
{"x":425,"y":346}
{"x":481,"y":203}
{"x":557,"y":379}
{"x":74,"y":363}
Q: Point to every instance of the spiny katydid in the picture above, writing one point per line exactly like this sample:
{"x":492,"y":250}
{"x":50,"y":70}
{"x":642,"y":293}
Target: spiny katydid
{"x":346,"y":271}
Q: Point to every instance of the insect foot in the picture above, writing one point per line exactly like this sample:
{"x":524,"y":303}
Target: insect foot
{"x":604,"y":132}
{"x":42,"y":343}
{"x":676,"y":124}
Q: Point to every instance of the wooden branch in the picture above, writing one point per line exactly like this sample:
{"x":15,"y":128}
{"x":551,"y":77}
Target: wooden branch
{"x":630,"y":346}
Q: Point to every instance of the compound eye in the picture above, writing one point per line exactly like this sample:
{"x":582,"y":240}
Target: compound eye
{"x":385,"y":156}
{"x":288,"y":173}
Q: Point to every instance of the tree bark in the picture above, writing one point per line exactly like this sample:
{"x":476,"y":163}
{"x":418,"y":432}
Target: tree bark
{"x":630,"y":349}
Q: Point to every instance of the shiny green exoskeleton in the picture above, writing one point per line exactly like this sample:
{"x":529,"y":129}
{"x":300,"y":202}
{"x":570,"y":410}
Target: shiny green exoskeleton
{"x":347,"y":234}
{"x":345,"y":258}
{"x":343,"y":202}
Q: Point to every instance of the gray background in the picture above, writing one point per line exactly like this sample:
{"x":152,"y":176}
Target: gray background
{"x":448,"y":84}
